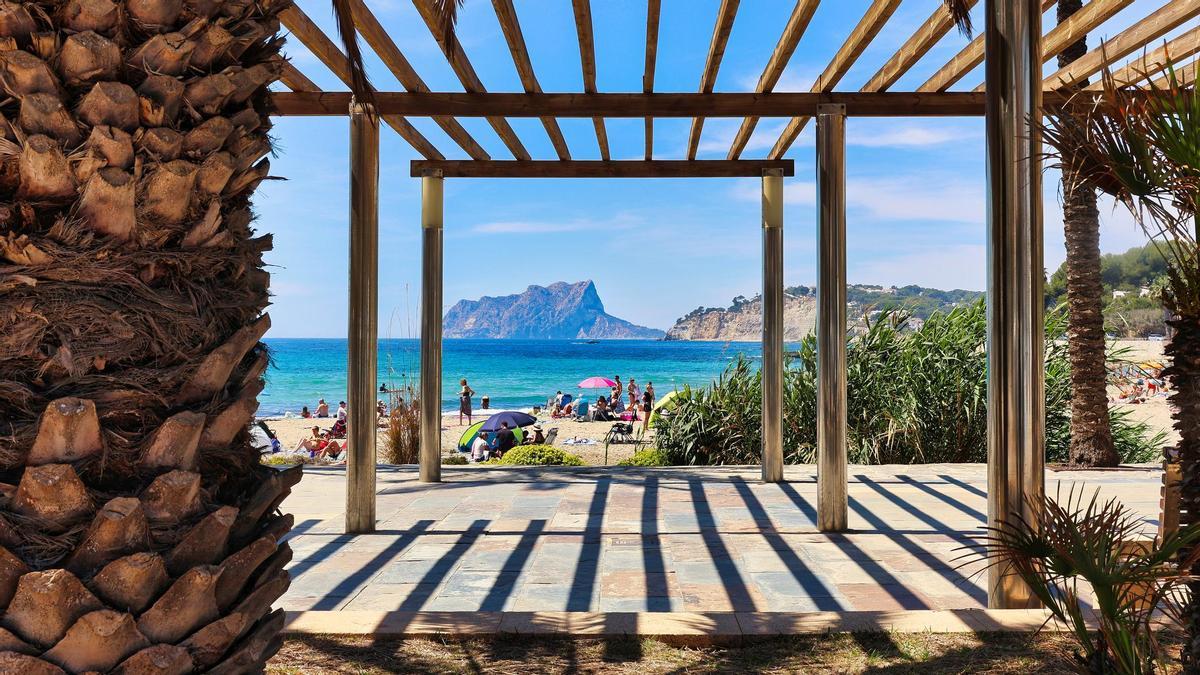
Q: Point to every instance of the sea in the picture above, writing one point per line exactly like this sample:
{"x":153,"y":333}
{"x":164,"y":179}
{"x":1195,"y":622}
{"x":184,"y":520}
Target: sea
{"x":512,"y":373}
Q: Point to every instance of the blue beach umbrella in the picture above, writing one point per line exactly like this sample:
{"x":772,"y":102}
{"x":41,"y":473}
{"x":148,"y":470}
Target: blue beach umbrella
{"x":468,"y":436}
{"x":515,"y":419}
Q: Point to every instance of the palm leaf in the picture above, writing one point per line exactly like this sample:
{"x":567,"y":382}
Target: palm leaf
{"x":960,"y":11}
{"x":343,"y":13}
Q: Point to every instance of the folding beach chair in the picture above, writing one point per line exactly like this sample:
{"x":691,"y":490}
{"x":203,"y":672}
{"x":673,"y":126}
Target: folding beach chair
{"x":619,"y":433}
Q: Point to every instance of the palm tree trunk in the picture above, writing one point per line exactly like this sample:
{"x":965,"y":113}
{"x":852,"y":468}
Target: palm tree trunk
{"x":138,"y":531}
{"x":1183,"y":371}
{"x":1091,"y":433}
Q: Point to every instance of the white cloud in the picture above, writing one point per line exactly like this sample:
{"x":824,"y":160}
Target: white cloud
{"x":910,"y":136}
{"x":914,"y":197}
{"x":951,"y":266}
{"x":618,"y":222}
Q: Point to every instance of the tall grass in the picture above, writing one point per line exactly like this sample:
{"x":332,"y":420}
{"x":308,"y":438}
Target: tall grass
{"x":402,"y":439}
{"x":914,"y":396}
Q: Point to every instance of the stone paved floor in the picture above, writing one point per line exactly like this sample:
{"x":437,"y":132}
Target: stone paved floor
{"x":678,"y":539}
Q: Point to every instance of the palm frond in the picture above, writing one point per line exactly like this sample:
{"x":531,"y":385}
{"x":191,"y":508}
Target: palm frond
{"x":960,"y":11}
{"x":343,"y":13}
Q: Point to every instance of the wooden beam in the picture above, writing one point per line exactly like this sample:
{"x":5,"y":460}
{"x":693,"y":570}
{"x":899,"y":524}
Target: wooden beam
{"x":1137,"y":36}
{"x":918,"y":45}
{"x":394,"y":59}
{"x":466,"y":75}
{"x":296,"y":80}
{"x":1077,"y":26}
{"x":653,"y":11}
{"x":866,"y":30}
{"x":1156,"y":61}
{"x":715,"y":168}
{"x":963,"y":62}
{"x":797,"y":23}
{"x":1185,"y":76}
{"x":323,"y":48}
{"x":587,"y":59}
{"x":511,"y":26}
{"x":721,"y":104}
{"x":726,"y":13}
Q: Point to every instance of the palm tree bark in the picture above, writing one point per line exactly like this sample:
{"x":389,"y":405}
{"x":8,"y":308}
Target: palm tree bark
{"x":1091,"y":433}
{"x":1183,"y":352}
{"x":138,"y":531}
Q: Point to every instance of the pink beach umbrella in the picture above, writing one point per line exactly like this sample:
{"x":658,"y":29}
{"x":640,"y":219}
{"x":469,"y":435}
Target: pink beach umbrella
{"x":597,"y":383}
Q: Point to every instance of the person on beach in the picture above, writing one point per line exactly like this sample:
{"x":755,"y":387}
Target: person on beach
{"x":647,"y":405}
{"x":341,"y":411}
{"x":635,"y":393}
{"x":505,"y":439}
{"x":618,"y":392}
{"x":537,"y":437}
{"x":304,"y":414}
{"x":322,"y":408}
{"x":464,"y":401}
{"x":383,"y":388}
{"x":602,"y":413}
{"x":320,"y":445}
{"x":480,"y":449}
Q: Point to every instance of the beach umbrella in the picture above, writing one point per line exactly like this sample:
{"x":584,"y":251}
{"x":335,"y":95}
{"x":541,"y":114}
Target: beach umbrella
{"x":514,"y":418}
{"x":468,"y":436}
{"x":664,"y":404}
{"x":597,"y":383}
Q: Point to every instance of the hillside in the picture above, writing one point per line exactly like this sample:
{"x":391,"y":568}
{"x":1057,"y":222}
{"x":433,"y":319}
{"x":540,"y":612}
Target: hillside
{"x":557,"y":311}
{"x":742,"y":320}
{"x":1131,"y":303}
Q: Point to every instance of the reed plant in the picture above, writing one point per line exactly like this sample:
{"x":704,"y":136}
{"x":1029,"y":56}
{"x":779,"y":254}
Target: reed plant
{"x":402,"y":440}
{"x":913,"y":396}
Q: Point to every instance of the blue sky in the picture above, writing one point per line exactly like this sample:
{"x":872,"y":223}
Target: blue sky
{"x":655,"y":248}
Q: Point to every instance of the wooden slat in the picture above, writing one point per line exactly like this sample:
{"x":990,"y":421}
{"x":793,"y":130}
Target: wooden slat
{"x":324,"y":49}
{"x":1075,"y":27}
{"x":653,"y":12}
{"x":1185,"y":76}
{"x":726,"y":13}
{"x":1156,"y":61}
{"x":587,"y":58}
{"x":466,"y":75}
{"x":964,"y":61}
{"x":933,"y":30}
{"x":604,"y":169}
{"x":394,"y":59}
{"x":721,"y":104}
{"x":511,"y":26}
{"x":797,"y":23}
{"x":296,"y":80}
{"x":866,"y":30}
{"x":1137,"y":36}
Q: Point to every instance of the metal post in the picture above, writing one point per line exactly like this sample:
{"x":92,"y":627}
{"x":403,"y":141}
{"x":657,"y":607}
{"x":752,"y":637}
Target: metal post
{"x":1016,"y":403}
{"x":772,"y":337}
{"x":431,"y":328}
{"x":831,"y":318}
{"x":363,"y":319}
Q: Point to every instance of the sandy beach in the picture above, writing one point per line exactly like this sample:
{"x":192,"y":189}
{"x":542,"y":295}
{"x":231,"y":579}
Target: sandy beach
{"x":292,"y":430}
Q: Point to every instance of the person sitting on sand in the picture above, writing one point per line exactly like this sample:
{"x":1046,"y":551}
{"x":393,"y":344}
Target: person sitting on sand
{"x":505,"y":439}
{"x":320,"y":445}
{"x":537,"y":437}
{"x":322,"y":408}
{"x":338,"y":430}
{"x":341,"y":411}
{"x":480,"y":449}
{"x":304,"y":414}
{"x":601,"y":413}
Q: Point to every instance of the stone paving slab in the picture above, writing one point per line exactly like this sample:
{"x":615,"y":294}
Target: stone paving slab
{"x":678,"y":540}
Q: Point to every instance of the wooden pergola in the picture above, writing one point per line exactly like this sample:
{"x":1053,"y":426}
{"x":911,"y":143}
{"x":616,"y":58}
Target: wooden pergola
{"x":1013,"y":48}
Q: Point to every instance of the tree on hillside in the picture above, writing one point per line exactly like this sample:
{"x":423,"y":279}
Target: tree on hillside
{"x":138,"y":530}
{"x":1091,"y":435}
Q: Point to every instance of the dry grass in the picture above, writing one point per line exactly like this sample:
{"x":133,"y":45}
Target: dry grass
{"x":860,"y":653}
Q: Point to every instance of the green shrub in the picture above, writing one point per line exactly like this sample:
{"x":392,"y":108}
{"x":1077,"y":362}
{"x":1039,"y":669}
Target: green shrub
{"x":913,"y":396}
{"x":454,"y":460}
{"x":538,"y":455}
{"x":646,"y":457}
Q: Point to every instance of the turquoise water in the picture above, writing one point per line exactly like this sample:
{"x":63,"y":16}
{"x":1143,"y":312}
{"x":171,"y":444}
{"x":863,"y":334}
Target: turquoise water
{"x":514,"y":373}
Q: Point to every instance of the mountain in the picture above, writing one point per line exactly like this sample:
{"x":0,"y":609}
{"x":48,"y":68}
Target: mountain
{"x":558,"y":311}
{"x":742,"y":320}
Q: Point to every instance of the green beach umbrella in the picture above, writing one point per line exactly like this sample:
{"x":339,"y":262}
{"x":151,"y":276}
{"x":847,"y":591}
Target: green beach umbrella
{"x":468,"y":436}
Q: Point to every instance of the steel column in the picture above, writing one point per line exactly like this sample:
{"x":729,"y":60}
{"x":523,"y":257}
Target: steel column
{"x":431,"y":328}
{"x":363,"y":327}
{"x":1016,"y":403}
{"x":772,"y":336}
{"x":831,"y":318}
